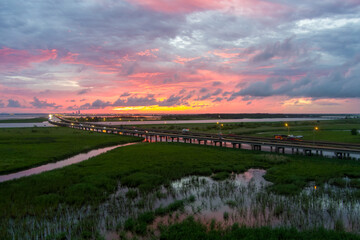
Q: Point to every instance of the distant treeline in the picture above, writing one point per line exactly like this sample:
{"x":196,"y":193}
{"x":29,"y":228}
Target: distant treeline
{"x":238,"y":116}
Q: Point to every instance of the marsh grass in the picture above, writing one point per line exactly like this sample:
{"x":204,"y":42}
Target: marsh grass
{"x":206,"y":200}
{"x":330,"y":130}
{"x":22,"y":148}
{"x":191,"y":229}
{"x":60,"y":201}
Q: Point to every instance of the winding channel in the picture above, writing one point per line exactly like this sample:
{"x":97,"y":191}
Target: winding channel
{"x":62,"y":163}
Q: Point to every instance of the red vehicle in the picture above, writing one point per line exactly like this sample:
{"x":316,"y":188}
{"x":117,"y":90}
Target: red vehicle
{"x":280,"y":137}
{"x":232,"y":135}
{"x":288,"y":137}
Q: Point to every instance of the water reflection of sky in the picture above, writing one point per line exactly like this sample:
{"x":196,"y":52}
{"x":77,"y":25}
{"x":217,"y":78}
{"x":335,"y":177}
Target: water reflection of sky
{"x":60,"y":164}
{"x":210,"y":121}
{"x":21,"y":125}
{"x":244,"y":199}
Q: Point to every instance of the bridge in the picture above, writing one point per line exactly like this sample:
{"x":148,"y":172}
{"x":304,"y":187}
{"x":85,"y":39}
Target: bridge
{"x":321,"y":148}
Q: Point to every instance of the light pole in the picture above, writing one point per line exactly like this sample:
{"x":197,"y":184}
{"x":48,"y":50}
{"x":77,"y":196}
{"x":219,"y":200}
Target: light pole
{"x":220,"y":125}
{"x":288,"y":127}
{"x":316,"y":128}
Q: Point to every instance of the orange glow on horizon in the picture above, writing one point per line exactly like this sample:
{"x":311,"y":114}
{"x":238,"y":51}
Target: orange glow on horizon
{"x":157,"y":108}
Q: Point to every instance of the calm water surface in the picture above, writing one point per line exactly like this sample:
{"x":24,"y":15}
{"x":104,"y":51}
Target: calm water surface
{"x":51,"y":166}
{"x":211,"y":121}
{"x":20,"y":116}
{"x":21,"y":125}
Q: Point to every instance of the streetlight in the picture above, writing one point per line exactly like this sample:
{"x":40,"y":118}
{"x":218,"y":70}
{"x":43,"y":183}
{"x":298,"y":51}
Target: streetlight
{"x":288,"y":127}
{"x":316,"y":128}
{"x":219,"y":125}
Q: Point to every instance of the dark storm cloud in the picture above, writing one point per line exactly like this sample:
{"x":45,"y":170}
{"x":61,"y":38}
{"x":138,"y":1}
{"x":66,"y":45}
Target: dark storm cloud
{"x":97,"y":104}
{"x":100,"y":104}
{"x":134,"y":101}
{"x":203,"y":90}
{"x":171,"y":101}
{"x":125,"y":94}
{"x":335,"y":85}
{"x":68,"y":21}
{"x":218,"y":99}
{"x":182,"y":91}
{"x":83,"y":91}
{"x":311,"y":9}
{"x":210,"y":95}
{"x":43,"y":104}
{"x":13,"y":104}
{"x":282,"y":49}
{"x":216,"y":83}
{"x":303,"y":49}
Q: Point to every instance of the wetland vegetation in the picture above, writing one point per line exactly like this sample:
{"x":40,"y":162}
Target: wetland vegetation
{"x":98,"y":197}
{"x":329,"y":130}
{"x":22,"y":148}
{"x":192,"y":230}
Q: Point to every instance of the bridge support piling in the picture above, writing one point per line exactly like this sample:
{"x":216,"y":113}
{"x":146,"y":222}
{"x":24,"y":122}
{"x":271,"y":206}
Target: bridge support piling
{"x":342,"y":155}
{"x":256,"y":147}
{"x":307,"y":152}
{"x":280,"y":150}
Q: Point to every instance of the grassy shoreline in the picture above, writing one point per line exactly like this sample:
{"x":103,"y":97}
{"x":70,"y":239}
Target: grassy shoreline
{"x":329,"y":130}
{"x":24,"y":148}
{"x":147,"y":166}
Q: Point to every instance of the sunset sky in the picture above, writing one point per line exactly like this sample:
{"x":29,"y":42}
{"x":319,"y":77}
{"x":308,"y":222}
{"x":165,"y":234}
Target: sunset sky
{"x":180,"y":56}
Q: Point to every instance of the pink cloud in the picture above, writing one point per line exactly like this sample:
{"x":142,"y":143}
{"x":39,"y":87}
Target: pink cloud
{"x":184,"y":60}
{"x":266,"y":67}
{"x":176,"y":6}
{"x":242,"y":7}
{"x":225,"y":53}
{"x":14,"y":59}
{"x":102,"y":65}
{"x":148,"y":52}
{"x":145,"y":75}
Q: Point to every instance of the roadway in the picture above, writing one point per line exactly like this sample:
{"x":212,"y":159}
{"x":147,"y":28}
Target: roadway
{"x":340,"y":150}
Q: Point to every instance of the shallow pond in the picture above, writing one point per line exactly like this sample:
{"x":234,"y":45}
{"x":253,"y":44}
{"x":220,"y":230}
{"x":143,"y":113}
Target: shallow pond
{"x":242,"y":199}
